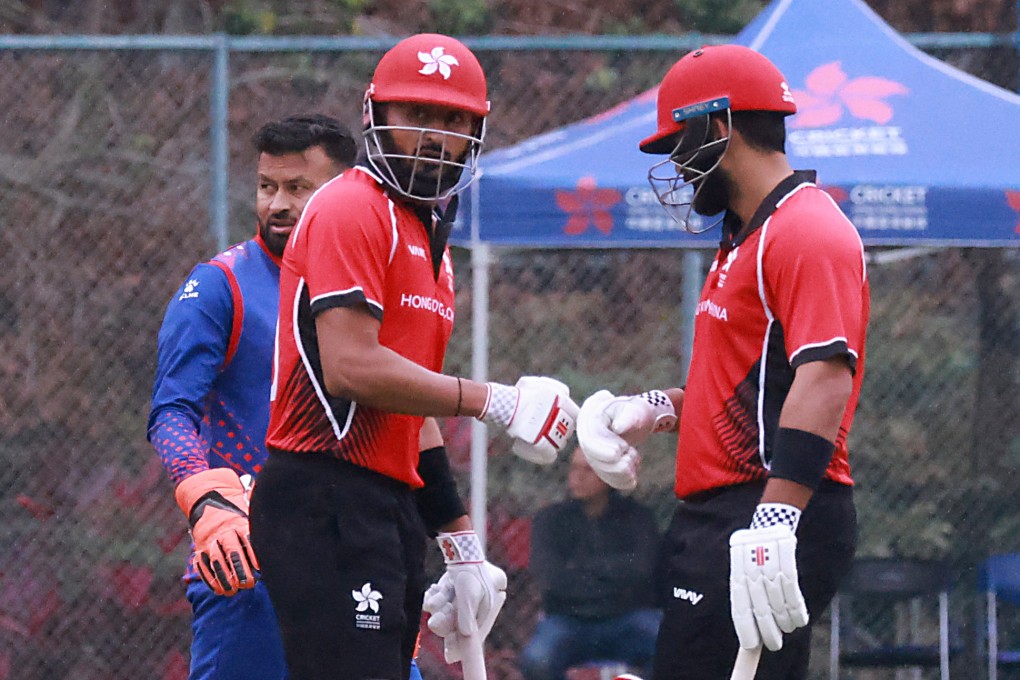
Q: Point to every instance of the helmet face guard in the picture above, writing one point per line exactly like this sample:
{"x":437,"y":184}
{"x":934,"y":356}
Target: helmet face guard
{"x":427,"y":173}
{"x":678,"y":180}
{"x":431,"y":70}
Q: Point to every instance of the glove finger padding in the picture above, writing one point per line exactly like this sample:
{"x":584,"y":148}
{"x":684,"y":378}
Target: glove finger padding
{"x":227,"y":563}
{"x":471,"y":593}
{"x":438,"y":602}
{"x":765,"y":596}
{"x":609,"y":455}
{"x":476,"y":608}
{"x":216,"y":505}
{"x":636,"y":418}
{"x":544,"y":421}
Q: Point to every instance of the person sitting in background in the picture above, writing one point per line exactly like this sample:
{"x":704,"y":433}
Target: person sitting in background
{"x":592,"y":558}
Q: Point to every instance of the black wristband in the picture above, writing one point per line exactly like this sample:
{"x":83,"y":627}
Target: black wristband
{"x":438,"y":501}
{"x":800,"y":456}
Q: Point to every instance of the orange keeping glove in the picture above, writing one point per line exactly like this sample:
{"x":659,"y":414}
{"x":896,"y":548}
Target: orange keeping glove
{"x":216,"y":505}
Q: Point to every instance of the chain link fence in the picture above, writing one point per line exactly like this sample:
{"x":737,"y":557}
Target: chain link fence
{"x":105,"y":178}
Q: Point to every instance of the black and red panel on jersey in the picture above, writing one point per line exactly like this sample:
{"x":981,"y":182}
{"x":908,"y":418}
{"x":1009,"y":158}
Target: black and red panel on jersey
{"x":354,"y":245}
{"x":791,"y":290}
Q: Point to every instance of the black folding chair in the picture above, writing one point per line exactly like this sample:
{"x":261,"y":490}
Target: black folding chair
{"x":886,"y":615}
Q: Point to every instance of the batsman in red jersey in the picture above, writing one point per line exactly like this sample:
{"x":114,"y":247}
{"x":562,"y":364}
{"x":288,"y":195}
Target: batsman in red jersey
{"x":766,"y":526}
{"x":342,"y":509}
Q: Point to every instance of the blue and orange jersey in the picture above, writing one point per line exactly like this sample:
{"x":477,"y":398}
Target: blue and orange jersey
{"x":210,"y":401}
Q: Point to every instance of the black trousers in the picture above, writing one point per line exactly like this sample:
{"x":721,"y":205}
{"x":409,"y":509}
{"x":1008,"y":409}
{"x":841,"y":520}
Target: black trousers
{"x":342,"y":552}
{"x":696,"y":639}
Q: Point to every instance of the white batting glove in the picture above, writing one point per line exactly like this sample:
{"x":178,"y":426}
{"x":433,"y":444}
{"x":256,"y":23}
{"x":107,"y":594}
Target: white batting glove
{"x":765,"y":597}
{"x":537,"y":412}
{"x":464,"y":603}
{"x":609,"y":428}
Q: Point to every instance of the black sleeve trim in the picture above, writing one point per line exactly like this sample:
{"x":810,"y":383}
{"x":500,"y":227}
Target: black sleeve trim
{"x":346,"y":299}
{"x":824,"y":352}
{"x":438,"y":501}
{"x":800,"y":456}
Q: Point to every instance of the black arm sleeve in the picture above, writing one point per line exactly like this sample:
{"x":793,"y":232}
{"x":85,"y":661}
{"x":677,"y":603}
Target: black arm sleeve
{"x":438,"y":501}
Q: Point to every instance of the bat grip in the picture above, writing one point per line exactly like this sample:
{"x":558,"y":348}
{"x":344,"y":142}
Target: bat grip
{"x":472,"y":663}
{"x":744,"y":667}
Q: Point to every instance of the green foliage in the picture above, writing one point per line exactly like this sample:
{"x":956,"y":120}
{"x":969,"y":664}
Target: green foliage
{"x":460,"y":17}
{"x":719,"y":16}
{"x":605,"y":79}
{"x":631,"y":25}
{"x":268,"y":17}
{"x":242,"y":17}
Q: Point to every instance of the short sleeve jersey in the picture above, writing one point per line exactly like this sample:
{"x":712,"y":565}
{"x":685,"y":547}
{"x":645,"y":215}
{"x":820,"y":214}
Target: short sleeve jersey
{"x":791,"y":289}
{"x":356,"y":245}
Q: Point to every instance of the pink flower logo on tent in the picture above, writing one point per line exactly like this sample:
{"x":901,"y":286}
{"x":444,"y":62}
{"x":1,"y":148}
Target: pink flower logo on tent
{"x":587,"y":206}
{"x":829,"y":94}
{"x":1013,"y":199}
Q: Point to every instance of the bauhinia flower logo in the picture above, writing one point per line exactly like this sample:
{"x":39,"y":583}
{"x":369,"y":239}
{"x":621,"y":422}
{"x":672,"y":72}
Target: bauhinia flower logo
{"x":1013,"y":199}
{"x":830,"y":93}
{"x":436,"y":60}
{"x":588,"y":205}
{"x":367,"y":598}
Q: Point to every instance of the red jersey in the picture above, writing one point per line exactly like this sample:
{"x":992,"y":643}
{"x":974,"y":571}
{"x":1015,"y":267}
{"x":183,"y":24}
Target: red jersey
{"x":791,"y":289}
{"x":356,"y":245}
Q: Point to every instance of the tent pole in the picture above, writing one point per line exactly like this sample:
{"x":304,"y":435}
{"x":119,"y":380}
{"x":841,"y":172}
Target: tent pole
{"x":479,"y":370}
{"x":691,"y":290}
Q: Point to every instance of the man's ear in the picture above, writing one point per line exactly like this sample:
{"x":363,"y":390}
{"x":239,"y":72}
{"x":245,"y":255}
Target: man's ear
{"x":721,"y":128}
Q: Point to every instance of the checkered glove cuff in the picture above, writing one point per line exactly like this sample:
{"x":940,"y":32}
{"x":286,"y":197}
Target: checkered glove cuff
{"x":500,"y":404}
{"x":656,"y":398}
{"x":462,"y":546}
{"x":771,"y":514}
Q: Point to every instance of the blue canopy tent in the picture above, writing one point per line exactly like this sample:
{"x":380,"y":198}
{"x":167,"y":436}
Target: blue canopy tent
{"x":915,"y":151}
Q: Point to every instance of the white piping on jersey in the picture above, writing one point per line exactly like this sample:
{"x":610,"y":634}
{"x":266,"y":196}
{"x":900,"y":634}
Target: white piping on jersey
{"x":760,"y":274}
{"x":319,"y":391}
{"x":276,"y":363}
{"x":760,"y":415}
{"x":301,"y":220}
{"x":370,"y":172}
{"x":347,"y":291}
{"x":393,"y":211}
{"x":393,"y":226}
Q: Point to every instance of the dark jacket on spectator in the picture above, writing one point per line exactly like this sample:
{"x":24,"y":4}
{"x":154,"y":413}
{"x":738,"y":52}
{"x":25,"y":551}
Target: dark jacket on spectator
{"x":594,"y":567}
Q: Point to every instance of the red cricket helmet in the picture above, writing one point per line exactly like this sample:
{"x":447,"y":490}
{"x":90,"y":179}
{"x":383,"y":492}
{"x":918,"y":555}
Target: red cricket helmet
{"x":746,"y":78}
{"x":430,"y":68}
{"x":426,"y":69}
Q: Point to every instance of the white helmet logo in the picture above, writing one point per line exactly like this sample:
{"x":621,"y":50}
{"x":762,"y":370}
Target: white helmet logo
{"x":437,"y":61}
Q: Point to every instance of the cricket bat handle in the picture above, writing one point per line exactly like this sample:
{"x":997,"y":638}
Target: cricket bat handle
{"x":472,"y":663}
{"x":744,"y":667}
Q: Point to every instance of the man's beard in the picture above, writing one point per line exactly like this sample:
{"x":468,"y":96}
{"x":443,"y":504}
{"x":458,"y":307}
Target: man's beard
{"x":712,"y":193}
{"x":428,"y":175}
{"x":713,"y":196}
{"x":275,"y":243}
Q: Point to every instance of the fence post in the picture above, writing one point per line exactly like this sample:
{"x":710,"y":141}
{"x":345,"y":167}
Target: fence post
{"x":219,"y":96}
{"x":480,"y":372}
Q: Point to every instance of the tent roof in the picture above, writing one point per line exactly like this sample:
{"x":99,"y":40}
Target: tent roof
{"x":914,"y":150}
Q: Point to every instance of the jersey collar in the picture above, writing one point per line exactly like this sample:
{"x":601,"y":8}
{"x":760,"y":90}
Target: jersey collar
{"x":735,"y":233}
{"x":437,"y":223}
{"x":262,"y":244}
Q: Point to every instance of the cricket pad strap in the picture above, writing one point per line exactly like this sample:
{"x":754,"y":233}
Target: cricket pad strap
{"x":438,"y":501}
{"x":800,"y":456}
